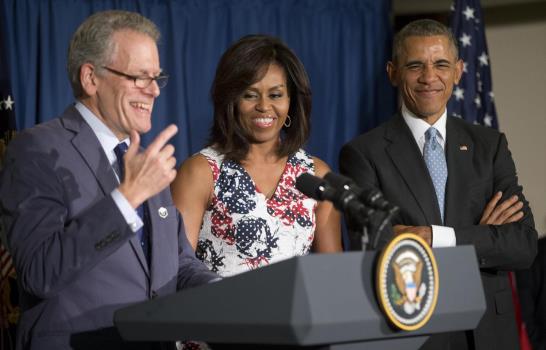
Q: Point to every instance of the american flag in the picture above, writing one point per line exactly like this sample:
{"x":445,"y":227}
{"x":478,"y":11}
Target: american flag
{"x":472,"y":98}
{"x":7,"y":129}
{"x":6,"y":308}
{"x":6,"y":265}
{"x":9,"y":309}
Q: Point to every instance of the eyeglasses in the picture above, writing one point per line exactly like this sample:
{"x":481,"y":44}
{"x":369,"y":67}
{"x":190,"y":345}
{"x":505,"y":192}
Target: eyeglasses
{"x":142,"y":81}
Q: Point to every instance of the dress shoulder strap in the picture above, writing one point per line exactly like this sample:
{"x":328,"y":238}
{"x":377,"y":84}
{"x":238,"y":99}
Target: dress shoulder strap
{"x":215,"y":160}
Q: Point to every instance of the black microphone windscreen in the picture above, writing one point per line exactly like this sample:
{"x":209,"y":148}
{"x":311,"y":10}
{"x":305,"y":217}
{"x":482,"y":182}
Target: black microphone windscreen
{"x":309,"y":184}
{"x":338,"y":181}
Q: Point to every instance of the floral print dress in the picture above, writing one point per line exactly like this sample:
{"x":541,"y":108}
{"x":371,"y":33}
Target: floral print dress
{"x":242,"y":229}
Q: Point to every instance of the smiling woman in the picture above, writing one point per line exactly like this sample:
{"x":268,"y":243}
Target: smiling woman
{"x":263,"y":108}
{"x":238,"y":198}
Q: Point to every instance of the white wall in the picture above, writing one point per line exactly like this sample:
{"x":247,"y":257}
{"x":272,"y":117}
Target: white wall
{"x":517,"y":50}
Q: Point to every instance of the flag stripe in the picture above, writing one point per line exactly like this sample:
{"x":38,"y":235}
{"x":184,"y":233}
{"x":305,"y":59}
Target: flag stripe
{"x":6,"y":264}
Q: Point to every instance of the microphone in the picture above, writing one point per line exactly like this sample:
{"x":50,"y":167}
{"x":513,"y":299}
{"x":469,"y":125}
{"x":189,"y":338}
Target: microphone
{"x":372,"y":197}
{"x":343,"y":199}
{"x":315,"y":187}
{"x":381,"y":212}
{"x":363,"y":209}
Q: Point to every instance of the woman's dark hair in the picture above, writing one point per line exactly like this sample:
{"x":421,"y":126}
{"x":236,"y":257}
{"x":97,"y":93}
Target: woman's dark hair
{"x":243,"y":64}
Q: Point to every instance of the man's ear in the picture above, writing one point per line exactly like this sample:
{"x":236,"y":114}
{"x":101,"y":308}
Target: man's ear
{"x":392,"y":72}
{"x":88,"y":79}
{"x":459,"y":66}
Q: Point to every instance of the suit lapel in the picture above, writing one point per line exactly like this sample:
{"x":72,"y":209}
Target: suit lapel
{"x":86,"y":143}
{"x":156,"y":242}
{"x":459,"y":154}
{"x":137,"y":248}
{"x":409,"y":162}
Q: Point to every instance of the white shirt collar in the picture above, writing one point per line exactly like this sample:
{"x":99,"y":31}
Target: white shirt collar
{"x":418,"y":127}
{"x":107,"y":139}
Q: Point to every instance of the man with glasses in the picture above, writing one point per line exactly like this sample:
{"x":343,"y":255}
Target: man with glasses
{"x":89,"y":216}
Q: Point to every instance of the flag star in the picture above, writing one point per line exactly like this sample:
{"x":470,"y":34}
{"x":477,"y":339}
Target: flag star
{"x":456,"y":115}
{"x":491,"y":95}
{"x":9,"y":103}
{"x":459,"y":93}
{"x":483,"y":59}
{"x":465,"y":39}
{"x":452,"y":7}
{"x":468,"y":13}
{"x":488,"y":120}
{"x":478,"y":101}
{"x":472,"y":98}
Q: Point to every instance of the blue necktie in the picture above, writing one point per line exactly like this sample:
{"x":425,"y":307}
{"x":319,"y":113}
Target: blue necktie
{"x":142,"y":233}
{"x":435,"y":159}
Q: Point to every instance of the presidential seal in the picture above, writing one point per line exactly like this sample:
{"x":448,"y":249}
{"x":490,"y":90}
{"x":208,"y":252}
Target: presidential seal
{"x":407,"y":282}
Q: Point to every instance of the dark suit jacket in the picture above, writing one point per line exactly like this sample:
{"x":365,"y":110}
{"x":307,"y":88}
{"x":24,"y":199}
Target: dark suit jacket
{"x":479,"y":164}
{"x":532,"y":297}
{"x":76,"y":258}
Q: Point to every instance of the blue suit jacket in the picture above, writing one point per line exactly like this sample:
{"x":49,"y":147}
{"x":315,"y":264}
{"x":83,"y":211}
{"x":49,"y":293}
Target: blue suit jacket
{"x":479,"y":164}
{"x":76,"y":258}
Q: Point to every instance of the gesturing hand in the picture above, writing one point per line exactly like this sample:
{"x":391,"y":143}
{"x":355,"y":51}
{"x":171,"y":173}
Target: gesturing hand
{"x":150,"y":171}
{"x":504,"y":213}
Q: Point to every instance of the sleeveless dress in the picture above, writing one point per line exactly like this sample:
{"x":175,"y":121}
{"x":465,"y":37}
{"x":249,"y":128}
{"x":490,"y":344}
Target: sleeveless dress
{"x":242,"y":229}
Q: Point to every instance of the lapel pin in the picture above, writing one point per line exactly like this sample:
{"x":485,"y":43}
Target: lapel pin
{"x":463,"y":148}
{"x":163,"y":213}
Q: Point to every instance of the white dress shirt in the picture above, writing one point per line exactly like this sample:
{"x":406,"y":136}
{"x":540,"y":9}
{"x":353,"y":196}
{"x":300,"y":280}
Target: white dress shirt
{"x":109,"y":141}
{"x":442,"y":236}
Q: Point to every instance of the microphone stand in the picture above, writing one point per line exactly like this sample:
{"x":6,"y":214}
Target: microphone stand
{"x":357,"y":228}
{"x":364,"y":239}
{"x":365,"y":228}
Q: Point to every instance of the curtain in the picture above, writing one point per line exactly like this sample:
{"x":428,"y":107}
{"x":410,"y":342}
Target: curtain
{"x":343,"y":44}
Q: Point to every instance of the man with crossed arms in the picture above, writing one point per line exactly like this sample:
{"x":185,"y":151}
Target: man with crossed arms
{"x":455,"y":183}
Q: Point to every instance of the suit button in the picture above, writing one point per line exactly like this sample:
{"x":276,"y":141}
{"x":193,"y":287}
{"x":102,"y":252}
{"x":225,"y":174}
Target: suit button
{"x":482,"y":261}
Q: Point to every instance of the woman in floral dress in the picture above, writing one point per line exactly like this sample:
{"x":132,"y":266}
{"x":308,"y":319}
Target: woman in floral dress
{"x":237,"y":196}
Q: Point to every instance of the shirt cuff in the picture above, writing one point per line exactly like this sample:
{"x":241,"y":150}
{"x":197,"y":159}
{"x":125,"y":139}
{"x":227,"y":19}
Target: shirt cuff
{"x":129,"y":213}
{"x":443,"y":236}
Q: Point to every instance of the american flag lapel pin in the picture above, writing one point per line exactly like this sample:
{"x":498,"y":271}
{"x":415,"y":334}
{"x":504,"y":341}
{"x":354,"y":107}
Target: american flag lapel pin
{"x":463,"y":148}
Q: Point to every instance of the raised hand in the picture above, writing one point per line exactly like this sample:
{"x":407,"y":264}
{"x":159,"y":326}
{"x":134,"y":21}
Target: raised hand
{"x":504,"y":213}
{"x":148,"y":172}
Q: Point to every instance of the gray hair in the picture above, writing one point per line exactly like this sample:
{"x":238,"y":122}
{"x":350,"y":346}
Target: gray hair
{"x":92,"y":41}
{"x":422,"y":27}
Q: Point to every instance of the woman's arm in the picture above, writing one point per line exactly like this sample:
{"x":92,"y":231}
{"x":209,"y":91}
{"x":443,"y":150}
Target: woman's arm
{"x":191,"y":191}
{"x":328,"y":230}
